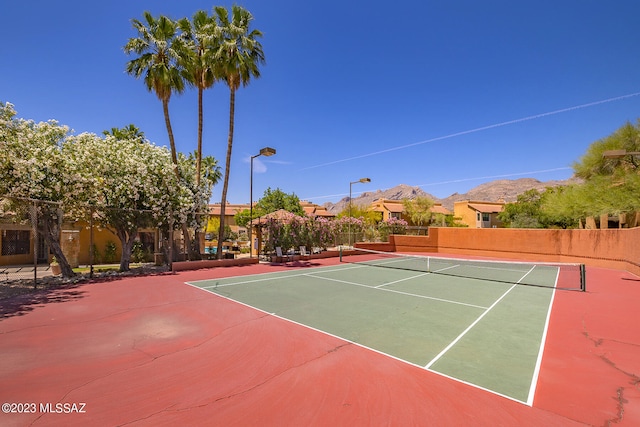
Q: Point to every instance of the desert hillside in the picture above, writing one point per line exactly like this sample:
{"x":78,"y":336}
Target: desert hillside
{"x":503,"y":189}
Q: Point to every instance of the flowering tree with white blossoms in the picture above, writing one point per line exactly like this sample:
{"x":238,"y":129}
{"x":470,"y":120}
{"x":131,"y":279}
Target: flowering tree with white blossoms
{"x":125,"y":183}
{"x":32,"y":167}
{"x":129,"y":184}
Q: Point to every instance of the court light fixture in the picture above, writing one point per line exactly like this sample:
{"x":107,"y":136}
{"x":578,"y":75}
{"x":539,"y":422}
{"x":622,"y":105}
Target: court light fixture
{"x":267,"y":152}
{"x":362,"y":181}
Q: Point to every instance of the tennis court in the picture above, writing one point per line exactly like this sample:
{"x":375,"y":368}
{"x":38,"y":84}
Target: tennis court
{"x":480,"y":323}
{"x":152,"y":351}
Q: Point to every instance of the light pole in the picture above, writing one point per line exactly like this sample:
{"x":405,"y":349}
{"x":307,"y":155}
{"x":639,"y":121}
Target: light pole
{"x":361,"y":180}
{"x":266,"y":151}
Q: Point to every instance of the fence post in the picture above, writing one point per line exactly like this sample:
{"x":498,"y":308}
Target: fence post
{"x":170,"y":261}
{"x":91,"y":250}
{"x":34,"y":229}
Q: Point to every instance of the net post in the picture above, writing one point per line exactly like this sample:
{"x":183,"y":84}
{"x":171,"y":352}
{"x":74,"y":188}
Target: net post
{"x":340,"y":253}
{"x":583,"y":278}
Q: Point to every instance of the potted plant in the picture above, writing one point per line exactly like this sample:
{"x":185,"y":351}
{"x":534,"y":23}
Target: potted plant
{"x":56,"y":270}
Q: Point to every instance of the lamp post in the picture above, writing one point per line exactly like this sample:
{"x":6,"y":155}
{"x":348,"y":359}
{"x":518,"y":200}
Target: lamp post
{"x":266,"y":151}
{"x":363,"y":181}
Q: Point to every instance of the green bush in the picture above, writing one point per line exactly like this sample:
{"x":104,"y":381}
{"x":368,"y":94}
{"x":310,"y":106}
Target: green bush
{"x":110,"y":255}
{"x":138,"y":253}
{"x":96,"y":254}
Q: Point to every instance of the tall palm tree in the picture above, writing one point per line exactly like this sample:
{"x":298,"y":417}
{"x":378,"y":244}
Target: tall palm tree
{"x":159,"y":49}
{"x":201,"y":36}
{"x":239,"y":56}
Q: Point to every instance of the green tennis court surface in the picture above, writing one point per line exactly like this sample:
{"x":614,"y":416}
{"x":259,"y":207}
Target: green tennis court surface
{"x":483,"y":332}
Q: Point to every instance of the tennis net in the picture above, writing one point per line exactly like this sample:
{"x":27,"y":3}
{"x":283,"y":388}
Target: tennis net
{"x":566,"y":276}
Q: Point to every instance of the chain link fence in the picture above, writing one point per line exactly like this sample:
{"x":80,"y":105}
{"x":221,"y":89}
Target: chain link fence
{"x":27,"y":255}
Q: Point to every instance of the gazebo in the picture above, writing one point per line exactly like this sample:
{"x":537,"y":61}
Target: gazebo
{"x":258,"y":223}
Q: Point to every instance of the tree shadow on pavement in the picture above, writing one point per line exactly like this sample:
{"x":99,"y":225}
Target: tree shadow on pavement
{"x":19,"y":297}
{"x":23,"y":303}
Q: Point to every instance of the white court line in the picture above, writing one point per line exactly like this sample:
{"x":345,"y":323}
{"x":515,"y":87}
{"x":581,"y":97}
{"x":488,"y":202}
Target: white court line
{"x":401,"y":280}
{"x":285,"y":276}
{"x":454,"y":342}
{"x":414,"y":277}
{"x":536,"y":371}
{"x":399,"y":292}
{"x":358,"y":344}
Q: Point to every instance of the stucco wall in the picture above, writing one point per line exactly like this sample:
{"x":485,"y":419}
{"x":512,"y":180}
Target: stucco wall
{"x":612,"y":248}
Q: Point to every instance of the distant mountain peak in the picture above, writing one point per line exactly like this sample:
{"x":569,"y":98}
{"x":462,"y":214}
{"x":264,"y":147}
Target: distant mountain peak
{"x":399,"y":192}
{"x":506,"y":190}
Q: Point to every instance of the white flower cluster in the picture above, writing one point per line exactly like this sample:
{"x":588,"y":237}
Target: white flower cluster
{"x":126,"y":183}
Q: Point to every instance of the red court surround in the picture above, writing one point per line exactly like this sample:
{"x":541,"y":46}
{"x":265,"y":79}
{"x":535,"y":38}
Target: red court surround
{"x":152,"y":351}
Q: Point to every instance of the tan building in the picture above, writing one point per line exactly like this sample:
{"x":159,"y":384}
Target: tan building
{"x":477,"y":214}
{"x":230,"y":210}
{"x":17,"y":244}
{"x":311,"y":209}
{"x":388,"y":208}
{"x":395,"y":209}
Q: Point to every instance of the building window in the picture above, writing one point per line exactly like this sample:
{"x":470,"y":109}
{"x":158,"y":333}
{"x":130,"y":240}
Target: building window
{"x":395,"y":215}
{"x":16,"y":242}
{"x":148,"y":241}
{"x":485,"y":217}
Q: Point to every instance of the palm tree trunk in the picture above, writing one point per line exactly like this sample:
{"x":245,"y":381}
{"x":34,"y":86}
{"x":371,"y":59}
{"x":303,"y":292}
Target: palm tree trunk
{"x":225,"y":186}
{"x":194,"y":247}
{"x":174,"y":159}
{"x":172,"y":142}
{"x":199,"y":153}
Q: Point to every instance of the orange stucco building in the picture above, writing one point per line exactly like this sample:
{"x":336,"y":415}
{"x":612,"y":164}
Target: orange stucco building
{"x":478,"y":214}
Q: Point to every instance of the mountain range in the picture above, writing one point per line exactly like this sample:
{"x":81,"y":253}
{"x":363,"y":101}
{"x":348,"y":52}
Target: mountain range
{"x":506,"y":190}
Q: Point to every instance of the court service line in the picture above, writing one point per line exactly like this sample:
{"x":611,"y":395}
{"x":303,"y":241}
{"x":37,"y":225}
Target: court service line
{"x":265,"y":279}
{"x":454,"y":342}
{"x":372,"y":349}
{"x":398,"y":292}
{"x":414,"y":277}
{"x":401,"y":280}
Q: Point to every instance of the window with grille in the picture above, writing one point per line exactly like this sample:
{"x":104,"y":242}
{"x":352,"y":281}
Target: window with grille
{"x":148,"y":241}
{"x":16,"y":242}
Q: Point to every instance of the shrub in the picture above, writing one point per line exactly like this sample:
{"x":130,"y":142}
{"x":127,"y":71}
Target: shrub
{"x":392,"y":226}
{"x":110,"y":255}
{"x":138,"y":253}
{"x":294,"y":231}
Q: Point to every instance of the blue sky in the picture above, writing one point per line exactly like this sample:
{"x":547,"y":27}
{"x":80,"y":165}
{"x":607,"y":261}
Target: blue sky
{"x":444,"y":95}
